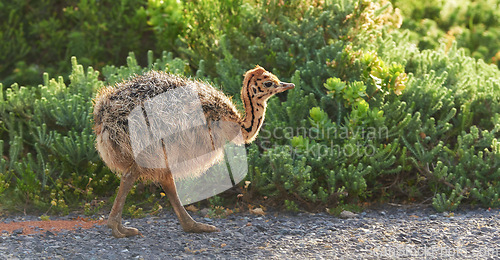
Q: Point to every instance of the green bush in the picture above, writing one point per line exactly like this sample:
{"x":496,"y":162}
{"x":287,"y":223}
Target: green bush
{"x":474,"y":25}
{"x":37,"y":36}
{"x":373,"y":117}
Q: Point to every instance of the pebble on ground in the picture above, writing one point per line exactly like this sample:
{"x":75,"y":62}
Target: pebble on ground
{"x":386,"y":232}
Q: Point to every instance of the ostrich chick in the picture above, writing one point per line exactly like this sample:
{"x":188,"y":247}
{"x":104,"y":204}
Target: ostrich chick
{"x":112,"y":111}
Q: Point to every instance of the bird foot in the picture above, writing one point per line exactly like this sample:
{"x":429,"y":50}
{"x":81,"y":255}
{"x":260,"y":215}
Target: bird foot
{"x":197,"y":227}
{"x":119,"y":231}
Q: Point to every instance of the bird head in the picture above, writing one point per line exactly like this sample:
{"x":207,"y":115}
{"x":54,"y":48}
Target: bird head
{"x":261,"y":84}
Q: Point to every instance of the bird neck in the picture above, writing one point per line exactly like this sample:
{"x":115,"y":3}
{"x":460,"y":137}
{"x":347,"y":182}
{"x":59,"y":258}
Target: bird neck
{"x":255,"y":109}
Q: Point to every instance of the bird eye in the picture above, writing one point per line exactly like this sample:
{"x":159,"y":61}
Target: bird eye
{"x":268,"y":84}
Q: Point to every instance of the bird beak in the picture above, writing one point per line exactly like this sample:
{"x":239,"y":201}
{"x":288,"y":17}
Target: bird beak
{"x":286,"y":86}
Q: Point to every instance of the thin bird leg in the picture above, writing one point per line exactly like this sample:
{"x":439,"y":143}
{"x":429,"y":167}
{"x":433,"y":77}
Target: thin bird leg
{"x":115,"y":217}
{"x":186,"y":221}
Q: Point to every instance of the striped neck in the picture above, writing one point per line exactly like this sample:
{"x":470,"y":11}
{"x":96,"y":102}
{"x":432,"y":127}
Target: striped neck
{"x":255,"y":109}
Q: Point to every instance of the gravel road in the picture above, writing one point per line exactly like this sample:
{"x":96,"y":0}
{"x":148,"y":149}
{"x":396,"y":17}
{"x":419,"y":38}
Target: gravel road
{"x":386,"y":232}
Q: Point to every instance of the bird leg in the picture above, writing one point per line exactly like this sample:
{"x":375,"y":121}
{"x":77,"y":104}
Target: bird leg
{"x":186,"y":221}
{"x":115,"y":217}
